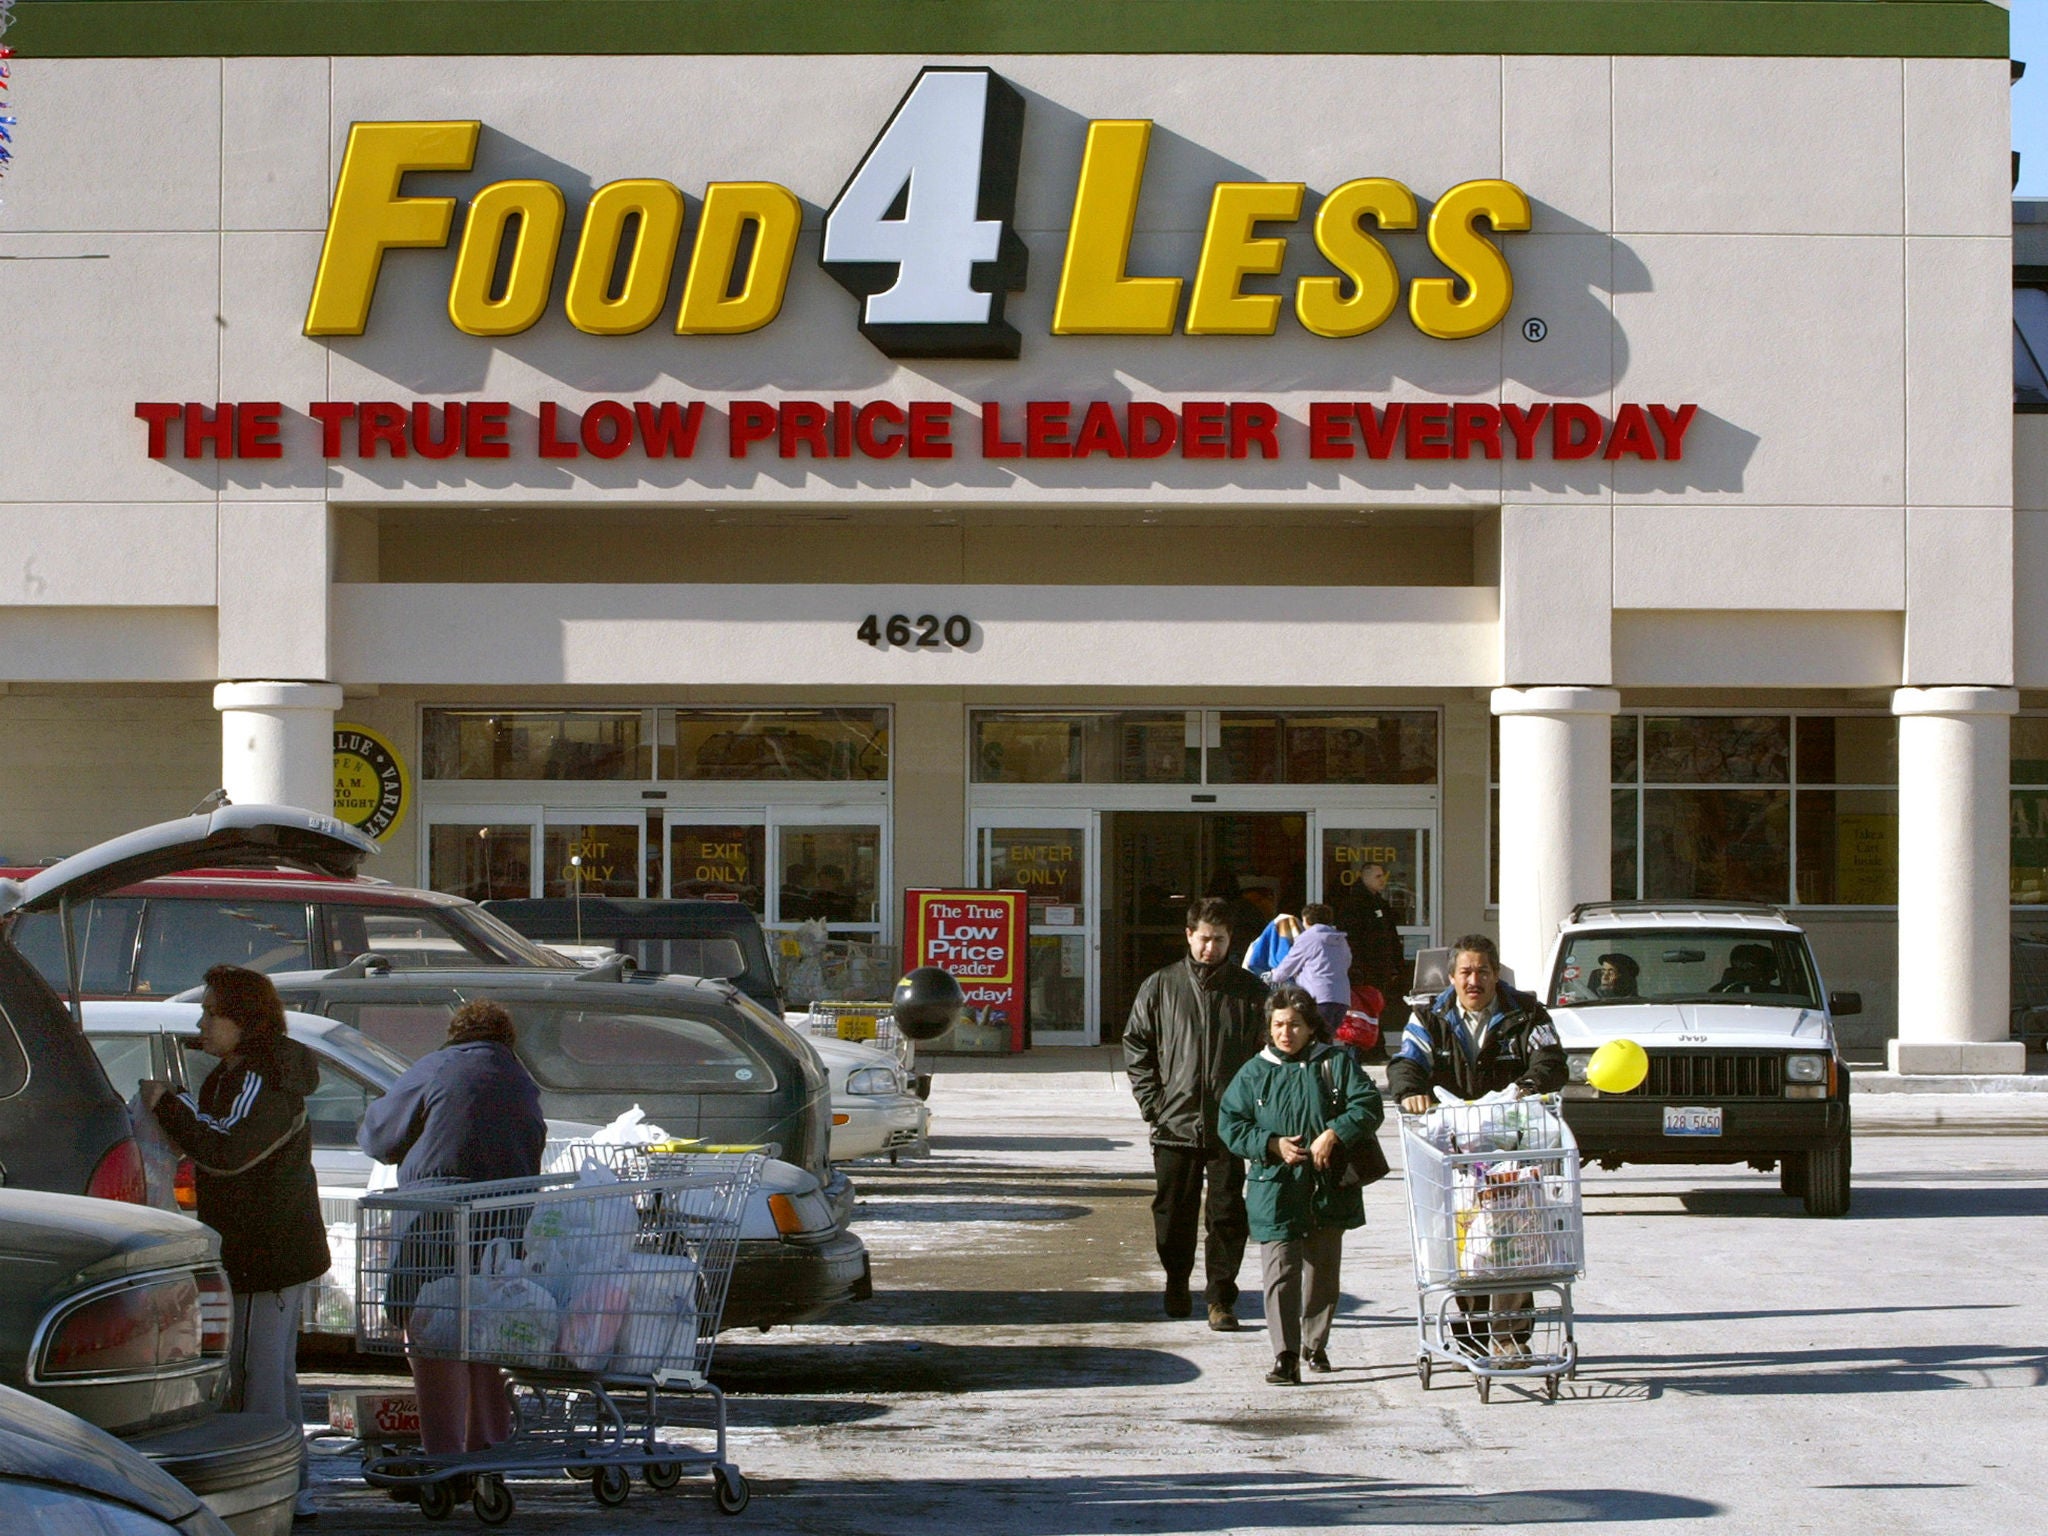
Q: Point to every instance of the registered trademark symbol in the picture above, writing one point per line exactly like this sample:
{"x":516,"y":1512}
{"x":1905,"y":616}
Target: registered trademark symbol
{"x":1534,"y":329}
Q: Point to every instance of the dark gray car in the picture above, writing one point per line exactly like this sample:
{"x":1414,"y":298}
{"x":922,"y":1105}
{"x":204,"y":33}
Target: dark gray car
{"x":58,"y":1473}
{"x":700,"y":1057}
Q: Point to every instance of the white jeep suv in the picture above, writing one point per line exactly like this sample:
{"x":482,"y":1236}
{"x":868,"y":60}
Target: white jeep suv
{"x":1726,"y":1000}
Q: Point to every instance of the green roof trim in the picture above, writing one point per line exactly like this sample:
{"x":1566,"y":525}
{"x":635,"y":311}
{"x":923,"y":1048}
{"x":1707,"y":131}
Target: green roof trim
{"x":240,"y":28}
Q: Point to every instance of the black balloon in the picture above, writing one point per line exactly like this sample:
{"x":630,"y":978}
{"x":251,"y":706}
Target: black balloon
{"x":927,"y":1002}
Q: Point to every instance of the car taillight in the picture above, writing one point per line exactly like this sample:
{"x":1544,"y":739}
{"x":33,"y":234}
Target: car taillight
{"x":187,"y":1186}
{"x":119,"y":1175}
{"x":216,"y":1313}
{"x":137,"y":1329}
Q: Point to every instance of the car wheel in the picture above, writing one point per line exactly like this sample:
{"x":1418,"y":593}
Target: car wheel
{"x":611,"y":1485}
{"x":492,"y":1500}
{"x":1827,"y":1179}
{"x":730,"y":1487}
{"x":1792,"y":1175}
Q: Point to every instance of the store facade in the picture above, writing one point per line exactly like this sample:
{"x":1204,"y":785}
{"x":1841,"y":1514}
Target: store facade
{"x":796,"y":458}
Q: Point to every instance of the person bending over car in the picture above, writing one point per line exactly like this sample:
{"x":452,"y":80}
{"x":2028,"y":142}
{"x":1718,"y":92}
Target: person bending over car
{"x":1476,"y":1038}
{"x":252,"y":1158}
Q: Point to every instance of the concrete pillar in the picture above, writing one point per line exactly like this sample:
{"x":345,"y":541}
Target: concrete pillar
{"x":1955,"y":916}
{"x":1555,"y":822}
{"x":277,"y":743}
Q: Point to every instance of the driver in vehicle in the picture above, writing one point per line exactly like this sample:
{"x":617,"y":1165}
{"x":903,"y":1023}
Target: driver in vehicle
{"x":1751,"y":968}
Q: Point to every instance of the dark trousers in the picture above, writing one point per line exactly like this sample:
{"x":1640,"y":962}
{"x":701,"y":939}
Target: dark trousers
{"x":1179,"y":1212}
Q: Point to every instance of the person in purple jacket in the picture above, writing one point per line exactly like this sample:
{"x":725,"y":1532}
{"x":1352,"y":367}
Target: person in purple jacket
{"x":1320,"y":964}
{"x":466,"y":1113}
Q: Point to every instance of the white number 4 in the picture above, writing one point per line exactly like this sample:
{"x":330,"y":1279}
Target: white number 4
{"x":921,"y":233}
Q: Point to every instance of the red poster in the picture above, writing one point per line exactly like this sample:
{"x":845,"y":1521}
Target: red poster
{"x":982,"y":938}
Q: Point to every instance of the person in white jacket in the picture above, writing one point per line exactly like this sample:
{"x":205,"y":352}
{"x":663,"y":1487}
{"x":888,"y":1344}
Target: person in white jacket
{"x":1320,"y":964}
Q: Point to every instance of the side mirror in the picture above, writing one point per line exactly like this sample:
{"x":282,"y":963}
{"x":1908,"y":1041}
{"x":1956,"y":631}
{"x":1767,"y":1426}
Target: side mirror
{"x":1845,"y":1004}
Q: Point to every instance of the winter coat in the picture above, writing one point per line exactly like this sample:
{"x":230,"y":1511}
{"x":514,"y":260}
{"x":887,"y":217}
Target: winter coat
{"x":1273,"y":1096}
{"x":1517,"y":1044}
{"x":466,"y":1112}
{"x":1376,"y":955}
{"x":252,"y":1156}
{"x":1319,"y":963}
{"x":1184,"y":1043}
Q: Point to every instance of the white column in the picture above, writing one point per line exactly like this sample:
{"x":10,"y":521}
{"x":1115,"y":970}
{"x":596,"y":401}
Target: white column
{"x":277,"y":743}
{"x":1555,"y":822}
{"x":1955,"y":915}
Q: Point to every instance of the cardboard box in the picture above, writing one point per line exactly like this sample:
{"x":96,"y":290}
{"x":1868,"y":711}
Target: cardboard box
{"x":374,"y":1416}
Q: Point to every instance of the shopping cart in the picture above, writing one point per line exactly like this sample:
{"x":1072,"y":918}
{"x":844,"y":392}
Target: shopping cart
{"x":1493,"y":1208}
{"x":598,"y":1289}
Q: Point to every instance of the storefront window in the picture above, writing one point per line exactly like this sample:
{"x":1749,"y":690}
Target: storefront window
{"x":831,"y":872}
{"x":2030,"y":811}
{"x":1848,"y":845}
{"x":1159,"y":747}
{"x":721,"y":862}
{"x":1732,"y":845}
{"x":484,"y":862}
{"x":591,"y":859}
{"x":1389,"y":748}
{"x":1717,"y":749}
{"x":534,"y":744}
{"x":822,"y":745}
{"x":1678,"y":832}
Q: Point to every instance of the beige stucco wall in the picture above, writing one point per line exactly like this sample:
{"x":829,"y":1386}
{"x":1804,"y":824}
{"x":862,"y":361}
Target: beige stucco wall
{"x":80,"y":765}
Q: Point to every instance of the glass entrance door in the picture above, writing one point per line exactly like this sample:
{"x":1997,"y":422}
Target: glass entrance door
{"x":592,"y":853}
{"x":1400,"y":846}
{"x":718,"y":855}
{"x":487,"y":853}
{"x":1050,"y":855}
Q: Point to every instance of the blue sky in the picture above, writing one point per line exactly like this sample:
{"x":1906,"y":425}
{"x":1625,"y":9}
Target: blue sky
{"x":2030,"y":96}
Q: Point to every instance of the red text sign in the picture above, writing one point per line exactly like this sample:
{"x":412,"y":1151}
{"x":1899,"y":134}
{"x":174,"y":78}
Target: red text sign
{"x":982,"y":938}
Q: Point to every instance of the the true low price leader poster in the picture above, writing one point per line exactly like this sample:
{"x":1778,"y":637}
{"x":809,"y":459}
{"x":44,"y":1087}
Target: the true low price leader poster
{"x":982,"y":937}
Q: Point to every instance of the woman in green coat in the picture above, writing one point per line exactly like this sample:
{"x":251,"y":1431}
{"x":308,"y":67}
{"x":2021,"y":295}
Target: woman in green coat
{"x":1290,"y":1113}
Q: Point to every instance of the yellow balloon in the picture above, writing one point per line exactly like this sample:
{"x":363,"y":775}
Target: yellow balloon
{"x":1618,"y":1066}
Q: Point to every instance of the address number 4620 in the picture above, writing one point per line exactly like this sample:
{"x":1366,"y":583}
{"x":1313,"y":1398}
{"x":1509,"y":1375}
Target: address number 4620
{"x":925,"y":632}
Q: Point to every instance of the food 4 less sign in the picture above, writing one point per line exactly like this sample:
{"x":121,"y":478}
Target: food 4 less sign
{"x":922,"y":234}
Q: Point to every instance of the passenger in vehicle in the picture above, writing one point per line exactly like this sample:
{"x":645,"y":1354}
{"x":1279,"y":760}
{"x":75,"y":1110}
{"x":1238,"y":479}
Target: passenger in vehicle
{"x":465,"y":1113}
{"x":1616,"y":976}
{"x":252,"y":1153}
{"x":1751,"y":968}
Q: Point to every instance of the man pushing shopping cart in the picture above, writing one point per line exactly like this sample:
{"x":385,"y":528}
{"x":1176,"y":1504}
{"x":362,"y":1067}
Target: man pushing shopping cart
{"x":1479,"y":1040}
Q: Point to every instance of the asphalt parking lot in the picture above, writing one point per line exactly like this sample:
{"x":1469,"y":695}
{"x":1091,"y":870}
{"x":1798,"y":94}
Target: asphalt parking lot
{"x":1745,"y":1369}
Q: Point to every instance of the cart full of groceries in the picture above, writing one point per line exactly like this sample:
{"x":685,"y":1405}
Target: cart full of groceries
{"x":597,"y":1287}
{"x":1499,"y":1233}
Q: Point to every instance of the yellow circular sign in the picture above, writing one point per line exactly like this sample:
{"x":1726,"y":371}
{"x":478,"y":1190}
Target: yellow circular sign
{"x":371,"y":790}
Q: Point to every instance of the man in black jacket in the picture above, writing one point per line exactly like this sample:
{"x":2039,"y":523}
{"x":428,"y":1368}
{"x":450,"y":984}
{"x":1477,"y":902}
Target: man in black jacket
{"x":1377,"y":956}
{"x":1477,"y":1038}
{"x":1194,"y":1023}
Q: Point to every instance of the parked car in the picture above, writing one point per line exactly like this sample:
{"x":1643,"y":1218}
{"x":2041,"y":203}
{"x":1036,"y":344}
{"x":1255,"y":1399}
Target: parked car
{"x":121,"y":1314}
{"x":1726,"y":1000}
{"x":796,"y":1259}
{"x":60,"y":1474}
{"x":721,"y":940}
{"x":112,"y":1310}
{"x":874,"y":1111}
{"x":155,"y":938}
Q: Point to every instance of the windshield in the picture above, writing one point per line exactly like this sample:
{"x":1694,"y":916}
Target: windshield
{"x":1685,"y":966}
{"x":506,"y":945}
